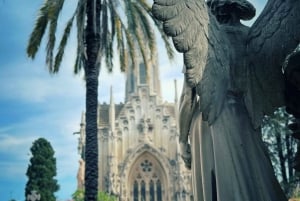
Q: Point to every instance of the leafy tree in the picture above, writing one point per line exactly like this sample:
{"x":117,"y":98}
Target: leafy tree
{"x":78,"y":195}
{"x":100,"y":24}
{"x":41,"y":171}
{"x":282,"y":147}
{"x":102,"y":196}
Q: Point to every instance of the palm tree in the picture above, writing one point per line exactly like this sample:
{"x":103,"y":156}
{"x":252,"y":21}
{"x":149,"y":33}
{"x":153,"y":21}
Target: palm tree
{"x":100,"y":24}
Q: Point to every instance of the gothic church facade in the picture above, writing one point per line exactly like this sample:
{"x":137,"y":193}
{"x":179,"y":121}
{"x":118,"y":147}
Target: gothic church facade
{"x":139,"y":157}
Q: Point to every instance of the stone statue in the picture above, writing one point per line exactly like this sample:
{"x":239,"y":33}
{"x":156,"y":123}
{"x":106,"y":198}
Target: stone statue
{"x":233,"y":77}
{"x":80,"y":174}
{"x":34,"y":196}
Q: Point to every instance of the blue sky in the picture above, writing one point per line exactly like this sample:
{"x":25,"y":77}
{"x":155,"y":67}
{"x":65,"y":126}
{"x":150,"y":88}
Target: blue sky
{"x":35,"y":104}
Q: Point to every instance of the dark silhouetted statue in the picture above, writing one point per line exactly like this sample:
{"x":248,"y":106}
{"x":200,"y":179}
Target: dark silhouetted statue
{"x":234,"y":75}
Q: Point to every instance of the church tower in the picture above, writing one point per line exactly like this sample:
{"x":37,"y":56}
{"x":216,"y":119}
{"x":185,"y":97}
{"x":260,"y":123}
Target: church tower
{"x":139,"y":156}
{"x":139,"y":76}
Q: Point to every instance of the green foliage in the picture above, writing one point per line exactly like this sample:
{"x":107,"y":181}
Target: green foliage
{"x":78,"y":195}
{"x":282,"y":148}
{"x":102,"y":196}
{"x":296,"y":193}
{"x":42,"y":170}
{"x":128,"y":24}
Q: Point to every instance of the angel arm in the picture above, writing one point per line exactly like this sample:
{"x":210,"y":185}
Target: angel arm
{"x":186,"y":108}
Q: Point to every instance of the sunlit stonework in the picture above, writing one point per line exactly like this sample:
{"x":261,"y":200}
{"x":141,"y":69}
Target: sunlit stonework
{"x":139,"y":156}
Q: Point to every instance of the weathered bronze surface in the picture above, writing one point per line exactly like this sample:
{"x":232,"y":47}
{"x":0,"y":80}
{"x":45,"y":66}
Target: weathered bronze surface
{"x":234,"y":75}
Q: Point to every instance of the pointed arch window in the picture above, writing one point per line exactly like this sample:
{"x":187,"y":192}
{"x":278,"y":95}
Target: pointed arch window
{"x":142,"y":73}
{"x":131,"y":88}
{"x":143,"y":191}
{"x":152,"y":192}
{"x":159,"y":191}
{"x":136,"y":191}
{"x":147,"y":180}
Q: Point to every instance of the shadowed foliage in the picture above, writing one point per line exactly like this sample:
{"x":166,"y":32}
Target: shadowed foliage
{"x":282,"y":148}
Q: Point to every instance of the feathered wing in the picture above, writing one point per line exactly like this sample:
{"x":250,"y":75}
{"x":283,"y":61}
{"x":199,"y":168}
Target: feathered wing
{"x":196,"y":34}
{"x":274,"y":35}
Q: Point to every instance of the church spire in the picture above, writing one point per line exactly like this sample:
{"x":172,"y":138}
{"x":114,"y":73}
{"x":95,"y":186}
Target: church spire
{"x":82,"y":123}
{"x":138,"y":76}
{"x":176,"y":95}
{"x":112,"y":111}
{"x":176,"y":102}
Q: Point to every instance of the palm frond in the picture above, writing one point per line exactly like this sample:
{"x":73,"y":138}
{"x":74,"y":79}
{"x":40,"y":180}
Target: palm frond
{"x":145,"y":5}
{"x":123,"y":36}
{"x":132,"y":49}
{"x":133,"y":35}
{"x":104,"y":25}
{"x":106,"y":36}
{"x":62,"y":45}
{"x":111,"y":5}
{"x":109,"y":53}
{"x":38,"y":32}
{"x":165,"y":38}
{"x":147,"y":29}
{"x":158,"y":25}
{"x":130,"y":16}
{"x":54,"y":9}
{"x":80,"y":19}
{"x":80,"y":22}
{"x":120,"y":43}
{"x":78,"y":63}
{"x":147,"y":8}
{"x":139,"y":35}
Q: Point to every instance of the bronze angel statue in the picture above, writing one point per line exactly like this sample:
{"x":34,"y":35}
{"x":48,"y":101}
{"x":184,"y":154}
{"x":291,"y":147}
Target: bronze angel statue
{"x":234,"y":75}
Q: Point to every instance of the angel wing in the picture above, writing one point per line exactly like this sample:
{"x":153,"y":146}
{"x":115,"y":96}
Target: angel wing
{"x":196,"y":33}
{"x":274,"y":35}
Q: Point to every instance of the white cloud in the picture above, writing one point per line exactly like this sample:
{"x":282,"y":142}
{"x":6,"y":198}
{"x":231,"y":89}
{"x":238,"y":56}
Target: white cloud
{"x":15,"y":146}
{"x":8,"y":141}
{"x":31,"y":82}
{"x":15,"y":154}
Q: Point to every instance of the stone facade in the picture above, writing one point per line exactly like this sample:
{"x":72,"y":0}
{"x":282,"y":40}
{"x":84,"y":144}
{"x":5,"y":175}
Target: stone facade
{"x":139,"y":156}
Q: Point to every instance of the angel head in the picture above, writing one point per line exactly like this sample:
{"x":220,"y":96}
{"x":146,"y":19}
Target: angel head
{"x":231,"y":11}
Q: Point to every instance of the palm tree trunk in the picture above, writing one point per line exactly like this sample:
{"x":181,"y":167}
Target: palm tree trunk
{"x":91,"y":72}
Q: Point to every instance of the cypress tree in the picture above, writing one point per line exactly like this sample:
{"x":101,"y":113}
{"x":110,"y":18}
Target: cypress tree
{"x":41,"y":171}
